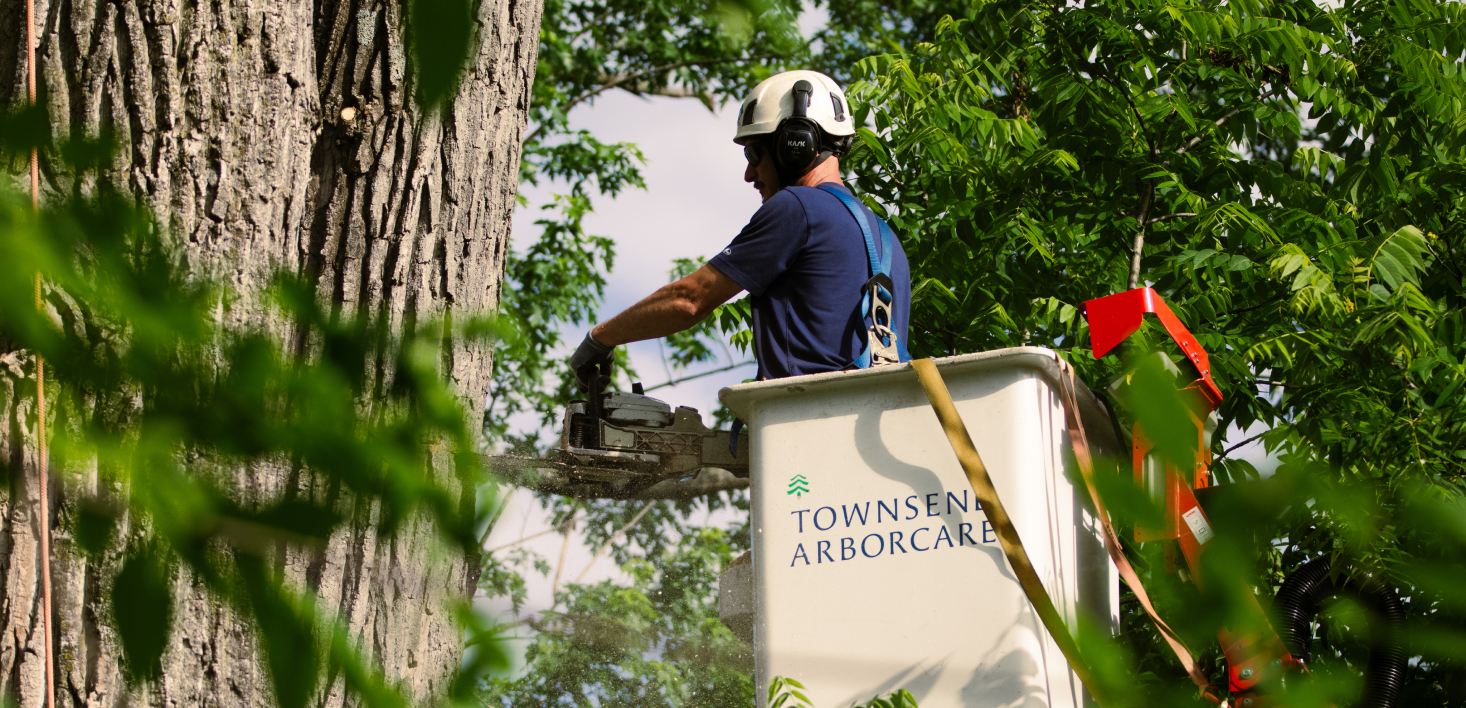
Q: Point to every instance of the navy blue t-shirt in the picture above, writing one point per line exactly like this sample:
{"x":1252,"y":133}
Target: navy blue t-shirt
{"x":802,"y":259}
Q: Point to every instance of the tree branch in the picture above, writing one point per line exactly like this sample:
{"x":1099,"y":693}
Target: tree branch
{"x":1229,"y":450}
{"x":674,"y":382}
{"x":526,"y":539}
{"x":551,"y":477}
{"x":1144,"y":129}
{"x":560,"y":566}
{"x":1147,"y":198}
{"x":618,"y":80}
{"x":1168,"y":217}
{"x":597,"y":556}
{"x":1218,"y":123}
{"x":589,"y":26}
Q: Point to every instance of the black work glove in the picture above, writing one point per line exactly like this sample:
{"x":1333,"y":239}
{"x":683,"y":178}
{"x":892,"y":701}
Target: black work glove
{"x":589,"y":355}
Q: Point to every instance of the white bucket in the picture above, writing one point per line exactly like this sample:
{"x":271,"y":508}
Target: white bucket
{"x":873,"y":566}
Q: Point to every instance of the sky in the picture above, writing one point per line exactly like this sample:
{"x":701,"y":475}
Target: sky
{"x":695,"y":203}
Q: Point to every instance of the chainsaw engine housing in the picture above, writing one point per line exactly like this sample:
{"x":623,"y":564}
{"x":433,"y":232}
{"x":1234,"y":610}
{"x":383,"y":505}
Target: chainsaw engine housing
{"x":636,"y":435}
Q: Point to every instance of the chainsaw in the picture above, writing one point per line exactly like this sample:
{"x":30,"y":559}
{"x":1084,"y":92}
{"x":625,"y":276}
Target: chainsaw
{"x":627,"y":442}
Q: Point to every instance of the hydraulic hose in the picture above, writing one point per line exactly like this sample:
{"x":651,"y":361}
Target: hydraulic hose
{"x":1297,"y":604}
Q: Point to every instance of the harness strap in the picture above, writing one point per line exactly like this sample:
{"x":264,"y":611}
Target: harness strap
{"x":889,"y":238}
{"x":881,"y":264}
{"x":877,"y":298}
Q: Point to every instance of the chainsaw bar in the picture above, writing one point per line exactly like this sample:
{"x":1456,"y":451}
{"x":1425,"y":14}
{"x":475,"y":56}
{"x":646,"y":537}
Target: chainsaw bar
{"x":555,"y":474}
{"x":622,"y":445}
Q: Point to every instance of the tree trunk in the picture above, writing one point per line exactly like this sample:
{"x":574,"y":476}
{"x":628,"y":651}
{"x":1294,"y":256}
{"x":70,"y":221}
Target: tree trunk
{"x":268,"y":135}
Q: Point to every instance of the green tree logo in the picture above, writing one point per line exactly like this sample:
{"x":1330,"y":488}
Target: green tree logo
{"x":798,"y":485}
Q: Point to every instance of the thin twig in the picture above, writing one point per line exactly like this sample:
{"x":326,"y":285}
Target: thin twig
{"x":530,"y":537}
{"x":1229,"y":450}
{"x":1218,"y":123}
{"x":1168,"y":217}
{"x":684,"y":379}
{"x":493,"y":520}
{"x":588,"y":27}
{"x":1255,"y":307}
{"x":1447,"y":263}
{"x":560,"y":565}
{"x":524,"y":524}
{"x":644,"y":509}
{"x":1144,"y":129}
{"x":618,"y":80}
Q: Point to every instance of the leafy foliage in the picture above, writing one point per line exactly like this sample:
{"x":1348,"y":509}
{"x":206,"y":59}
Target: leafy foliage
{"x":1287,"y":175}
{"x":707,"y":51}
{"x":557,"y":281}
{"x":655,"y":643}
{"x":438,"y":39}
{"x":153,"y":385}
{"x":901,"y":698}
{"x":142,"y":604}
{"x":786,"y":692}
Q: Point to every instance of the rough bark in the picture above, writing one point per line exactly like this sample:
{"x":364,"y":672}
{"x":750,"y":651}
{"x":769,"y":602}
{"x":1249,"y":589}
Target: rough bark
{"x":231,"y":117}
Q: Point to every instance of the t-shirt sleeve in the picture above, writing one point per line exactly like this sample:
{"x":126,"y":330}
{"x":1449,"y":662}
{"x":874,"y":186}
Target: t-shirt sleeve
{"x":767,"y":246}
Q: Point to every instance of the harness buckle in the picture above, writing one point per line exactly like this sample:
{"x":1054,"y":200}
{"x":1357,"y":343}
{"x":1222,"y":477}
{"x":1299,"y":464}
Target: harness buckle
{"x":884,"y":348}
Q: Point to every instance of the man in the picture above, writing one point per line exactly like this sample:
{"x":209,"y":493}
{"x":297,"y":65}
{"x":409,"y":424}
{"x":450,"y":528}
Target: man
{"x":805,"y":257}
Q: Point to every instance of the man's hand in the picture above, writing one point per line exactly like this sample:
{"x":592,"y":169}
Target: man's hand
{"x":587,"y":357}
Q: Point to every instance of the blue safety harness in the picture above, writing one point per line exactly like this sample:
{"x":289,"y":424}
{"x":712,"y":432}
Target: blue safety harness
{"x":877,"y":301}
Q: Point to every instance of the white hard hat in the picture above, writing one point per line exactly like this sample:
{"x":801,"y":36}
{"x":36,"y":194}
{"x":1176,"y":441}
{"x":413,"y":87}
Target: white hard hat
{"x":772,"y":101}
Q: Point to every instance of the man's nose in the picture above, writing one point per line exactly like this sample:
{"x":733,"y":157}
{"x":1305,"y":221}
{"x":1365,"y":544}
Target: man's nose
{"x":749,"y":174}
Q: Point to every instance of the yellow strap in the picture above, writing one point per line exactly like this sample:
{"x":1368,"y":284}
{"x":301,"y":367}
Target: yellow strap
{"x":987,"y":496}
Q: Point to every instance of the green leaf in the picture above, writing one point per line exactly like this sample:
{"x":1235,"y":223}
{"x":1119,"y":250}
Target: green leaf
{"x":142,"y":611}
{"x":439,"y":33}
{"x":287,"y":634}
{"x":1400,"y":257}
{"x":95,"y":525}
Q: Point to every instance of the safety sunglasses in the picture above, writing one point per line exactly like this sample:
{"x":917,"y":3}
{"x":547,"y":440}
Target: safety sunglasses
{"x":752,"y":154}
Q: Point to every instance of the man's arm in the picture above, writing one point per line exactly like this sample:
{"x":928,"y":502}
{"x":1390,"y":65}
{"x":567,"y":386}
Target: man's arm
{"x":671,"y":309}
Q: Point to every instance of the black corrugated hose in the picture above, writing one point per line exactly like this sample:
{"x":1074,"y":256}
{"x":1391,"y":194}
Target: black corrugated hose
{"x":1297,"y":603}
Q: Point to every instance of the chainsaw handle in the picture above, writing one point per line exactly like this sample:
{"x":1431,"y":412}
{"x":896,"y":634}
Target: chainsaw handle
{"x":595,"y":404}
{"x":596,"y":389}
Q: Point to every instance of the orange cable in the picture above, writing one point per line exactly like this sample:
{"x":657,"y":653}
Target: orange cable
{"x":44,"y":532}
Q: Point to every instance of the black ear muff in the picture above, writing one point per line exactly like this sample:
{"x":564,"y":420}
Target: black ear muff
{"x":796,"y":144}
{"x":797,"y":140}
